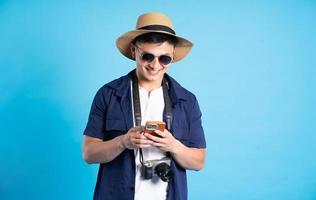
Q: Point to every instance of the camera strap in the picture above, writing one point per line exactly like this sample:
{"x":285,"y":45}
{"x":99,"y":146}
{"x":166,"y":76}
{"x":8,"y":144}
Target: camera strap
{"x":137,"y":108}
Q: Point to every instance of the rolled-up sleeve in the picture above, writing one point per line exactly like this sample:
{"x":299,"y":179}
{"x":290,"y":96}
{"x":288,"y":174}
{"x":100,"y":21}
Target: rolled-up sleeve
{"x":196,"y":132}
{"x":95,"y":125}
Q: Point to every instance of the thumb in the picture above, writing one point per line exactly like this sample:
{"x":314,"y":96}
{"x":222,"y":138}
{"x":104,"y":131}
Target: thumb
{"x":139,"y":128}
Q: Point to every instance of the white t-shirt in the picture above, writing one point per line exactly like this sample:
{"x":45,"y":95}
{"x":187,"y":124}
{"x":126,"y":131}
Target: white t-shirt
{"x":152,"y":105}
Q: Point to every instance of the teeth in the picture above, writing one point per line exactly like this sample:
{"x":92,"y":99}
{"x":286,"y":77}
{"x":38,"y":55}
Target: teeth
{"x":153,"y":71}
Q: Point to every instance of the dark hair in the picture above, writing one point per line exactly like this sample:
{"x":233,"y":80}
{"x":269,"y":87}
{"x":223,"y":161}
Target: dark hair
{"x":155,"y":37}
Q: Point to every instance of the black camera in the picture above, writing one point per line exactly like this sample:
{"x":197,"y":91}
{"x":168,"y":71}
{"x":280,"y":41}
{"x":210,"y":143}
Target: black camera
{"x":159,"y":167}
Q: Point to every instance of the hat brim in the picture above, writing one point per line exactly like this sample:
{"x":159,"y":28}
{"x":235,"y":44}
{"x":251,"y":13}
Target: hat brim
{"x":123,"y":43}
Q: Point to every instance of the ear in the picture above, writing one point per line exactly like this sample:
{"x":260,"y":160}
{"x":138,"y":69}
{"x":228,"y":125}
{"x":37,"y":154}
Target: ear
{"x":133,"y":49}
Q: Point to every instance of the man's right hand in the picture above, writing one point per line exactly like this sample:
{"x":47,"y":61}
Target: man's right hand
{"x":135,"y":138}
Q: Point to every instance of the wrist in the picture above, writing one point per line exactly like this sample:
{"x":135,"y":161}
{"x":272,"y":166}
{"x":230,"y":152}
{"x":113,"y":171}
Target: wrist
{"x":121,"y":142}
{"x":177,"y":147}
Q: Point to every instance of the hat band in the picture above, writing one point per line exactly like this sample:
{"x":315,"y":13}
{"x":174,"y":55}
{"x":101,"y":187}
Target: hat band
{"x":159,"y":28}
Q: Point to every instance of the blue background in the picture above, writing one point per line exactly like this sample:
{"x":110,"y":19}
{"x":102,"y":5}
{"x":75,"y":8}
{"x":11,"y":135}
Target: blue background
{"x":252,"y":69}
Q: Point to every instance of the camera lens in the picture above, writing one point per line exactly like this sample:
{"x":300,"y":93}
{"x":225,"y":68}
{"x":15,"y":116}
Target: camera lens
{"x":151,"y":126}
{"x":163,"y":170}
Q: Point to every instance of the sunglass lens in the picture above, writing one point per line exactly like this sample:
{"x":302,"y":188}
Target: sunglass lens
{"x":148,"y":57}
{"x":165,"y":60}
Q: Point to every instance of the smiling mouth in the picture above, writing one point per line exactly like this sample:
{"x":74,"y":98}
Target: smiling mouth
{"x":153,"y":71}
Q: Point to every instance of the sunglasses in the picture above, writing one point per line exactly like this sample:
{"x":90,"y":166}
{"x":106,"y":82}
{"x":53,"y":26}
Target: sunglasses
{"x":149,"y":57}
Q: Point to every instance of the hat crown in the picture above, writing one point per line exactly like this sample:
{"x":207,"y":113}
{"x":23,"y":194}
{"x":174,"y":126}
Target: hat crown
{"x":153,"y":23}
{"x":148,"y":19}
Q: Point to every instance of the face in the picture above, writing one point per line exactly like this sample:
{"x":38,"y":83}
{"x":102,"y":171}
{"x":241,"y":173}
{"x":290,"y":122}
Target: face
{"x":152,"y":60}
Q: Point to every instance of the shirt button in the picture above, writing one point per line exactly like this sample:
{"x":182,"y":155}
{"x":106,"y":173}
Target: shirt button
{"x":132,"y":188}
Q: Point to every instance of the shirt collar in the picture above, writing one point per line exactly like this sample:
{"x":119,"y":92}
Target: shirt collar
{"x":122,"y":86}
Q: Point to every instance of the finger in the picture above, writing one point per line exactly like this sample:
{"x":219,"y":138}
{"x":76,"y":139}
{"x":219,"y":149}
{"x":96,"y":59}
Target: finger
{"x":167,"y":133}
{"x":156,"y":144}
{"x":143,"y":145}
{"x":160,"y":133}
{"x":153,"y":138}
{"x":139,"y":132}
{"x":140,"y":136}
{"x":139,"y":128}
{"x":142,"y":141}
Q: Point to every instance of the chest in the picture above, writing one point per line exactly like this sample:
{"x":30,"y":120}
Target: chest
{"x":151,"y":104}
{"x":119,"y":116}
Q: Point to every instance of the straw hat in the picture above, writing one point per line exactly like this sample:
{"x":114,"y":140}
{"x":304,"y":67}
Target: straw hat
{"x":153,"y":22}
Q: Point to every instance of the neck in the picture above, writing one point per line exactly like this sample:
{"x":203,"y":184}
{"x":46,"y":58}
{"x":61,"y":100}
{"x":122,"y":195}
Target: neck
{"x":149,"y":85}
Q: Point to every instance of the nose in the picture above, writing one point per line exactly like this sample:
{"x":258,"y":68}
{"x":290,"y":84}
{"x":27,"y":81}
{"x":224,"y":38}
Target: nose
{"x":155,"y":63}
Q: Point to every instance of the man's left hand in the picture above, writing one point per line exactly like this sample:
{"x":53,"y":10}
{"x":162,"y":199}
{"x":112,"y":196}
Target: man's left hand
{"x":165,"y":141}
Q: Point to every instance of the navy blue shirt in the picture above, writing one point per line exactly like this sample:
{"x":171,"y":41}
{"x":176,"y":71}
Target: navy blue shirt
{"x":111,"y":115}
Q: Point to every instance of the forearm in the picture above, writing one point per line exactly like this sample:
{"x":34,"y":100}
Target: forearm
{"x":103,"y":151}
{"x":189,"y":158}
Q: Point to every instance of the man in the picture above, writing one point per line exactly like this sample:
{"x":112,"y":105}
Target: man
{"x":114,"y":136}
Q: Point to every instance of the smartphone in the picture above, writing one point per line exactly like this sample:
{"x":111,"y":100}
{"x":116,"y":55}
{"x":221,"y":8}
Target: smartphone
{"x":151,"y":126}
